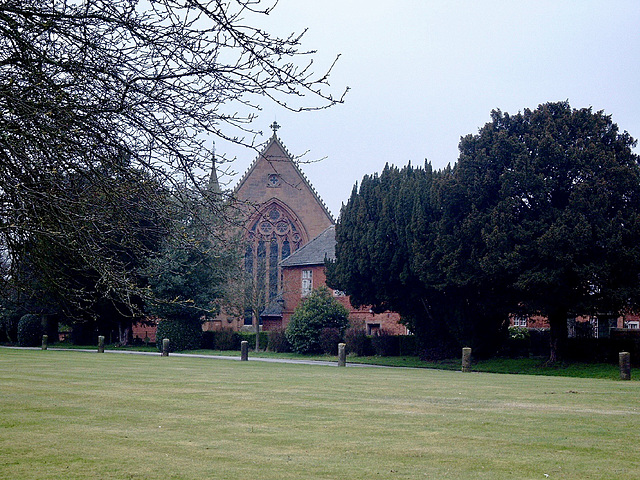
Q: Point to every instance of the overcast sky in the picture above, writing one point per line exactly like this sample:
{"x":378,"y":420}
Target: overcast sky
{"x":424,"y":73}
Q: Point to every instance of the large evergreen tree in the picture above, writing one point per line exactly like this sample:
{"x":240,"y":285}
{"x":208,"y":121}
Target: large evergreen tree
{"x":551,"y":203}
{"x":540,"y":215}
{"x":388,"y":256}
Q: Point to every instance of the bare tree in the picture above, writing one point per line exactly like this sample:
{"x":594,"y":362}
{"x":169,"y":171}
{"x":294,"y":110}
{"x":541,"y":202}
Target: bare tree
{"x":97,"y":96}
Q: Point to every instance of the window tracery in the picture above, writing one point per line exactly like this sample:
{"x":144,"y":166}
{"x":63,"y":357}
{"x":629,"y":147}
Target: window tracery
{"x":272,"y":236}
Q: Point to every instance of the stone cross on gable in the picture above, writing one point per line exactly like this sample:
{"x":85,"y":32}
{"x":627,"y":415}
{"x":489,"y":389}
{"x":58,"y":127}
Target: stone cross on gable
{"x":275,"y":127}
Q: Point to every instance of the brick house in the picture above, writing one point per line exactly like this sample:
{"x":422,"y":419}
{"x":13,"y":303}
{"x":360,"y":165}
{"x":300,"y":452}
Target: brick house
{"x":304,"y":271}
{"x":596,"y":326}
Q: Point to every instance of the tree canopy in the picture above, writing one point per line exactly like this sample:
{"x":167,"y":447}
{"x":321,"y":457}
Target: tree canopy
{"x":538,"y":216}
{"x":137,"y":90}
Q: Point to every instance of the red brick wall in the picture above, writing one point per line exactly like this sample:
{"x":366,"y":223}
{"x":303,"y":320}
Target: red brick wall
{"x":292,"y":294}
{"x":141,"y":331}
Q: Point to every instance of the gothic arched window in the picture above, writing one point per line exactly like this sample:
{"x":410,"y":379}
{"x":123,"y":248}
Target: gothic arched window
{"x":272,"y":235}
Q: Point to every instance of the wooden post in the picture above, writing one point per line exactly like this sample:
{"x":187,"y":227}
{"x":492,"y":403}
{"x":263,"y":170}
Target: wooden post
{"x":101,"y":344}
{"x":466,"y":359}
{"x":165,"y":347}
{"x":625,"y":365}
{"x":342,"y":355}
{"x":244,"y":351}
{"x":45,"y":341}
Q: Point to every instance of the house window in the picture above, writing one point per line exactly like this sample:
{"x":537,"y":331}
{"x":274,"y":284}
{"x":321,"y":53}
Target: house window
{"x":373,"y":328}
{"x":633,"y":325}
{"x":519,"y":321}
{"x":307,"y":282}
{"x":339,"y":293}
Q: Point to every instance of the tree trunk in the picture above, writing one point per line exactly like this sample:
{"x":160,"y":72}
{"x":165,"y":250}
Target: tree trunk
{"x":256,"y":319}
{"x":123,"y":335}
{"x":558,"y":333}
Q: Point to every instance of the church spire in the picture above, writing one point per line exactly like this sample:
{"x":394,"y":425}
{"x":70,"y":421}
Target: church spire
{"x":214,"y":184}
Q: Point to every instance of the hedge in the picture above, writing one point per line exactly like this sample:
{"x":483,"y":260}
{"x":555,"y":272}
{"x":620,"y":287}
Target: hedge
{"x":182,"y":334}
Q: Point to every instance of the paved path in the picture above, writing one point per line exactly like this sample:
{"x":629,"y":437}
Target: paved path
{"x":215,"y":357}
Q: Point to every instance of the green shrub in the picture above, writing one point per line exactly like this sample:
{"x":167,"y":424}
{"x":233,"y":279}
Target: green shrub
{"x":316,"y":312}
{"x":227,"y":339}
{"x":182,"y":334}
{"x":357,"y":341}
{"x":9,"y":325}
{"x":408,"y":345}
{"x":329,"y":339}
{"x":30,"y":331}
{"x":208,"y":340}
{"x":278,"y":341}
{"x":251,"y":338}
{"x":385,"y":345}
{"x":519,"y":333}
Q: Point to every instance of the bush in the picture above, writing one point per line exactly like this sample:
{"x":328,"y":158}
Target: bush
{"x":251,"y":338}
{"x":278,"y":341}
{"x":407,"y":345}
{"x":208,"y":340}
{"x":357,"y":341}
{"x":227,"y":339}
{"x":30,"y":331}
{"x":385,"y":345}
{"x":329,"y":339}
{"x":519,"y":333}
{"x":182,"y":334}
{"x":316,"y":312}
{"x":9,"y":325}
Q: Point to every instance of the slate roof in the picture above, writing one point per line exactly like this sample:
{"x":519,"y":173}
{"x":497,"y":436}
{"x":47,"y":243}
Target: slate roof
{"x":274,"y":309}
{"x":315,"y":252}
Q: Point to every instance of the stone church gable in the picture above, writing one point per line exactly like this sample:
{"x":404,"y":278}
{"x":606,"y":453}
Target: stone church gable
{"x":273,"y":176}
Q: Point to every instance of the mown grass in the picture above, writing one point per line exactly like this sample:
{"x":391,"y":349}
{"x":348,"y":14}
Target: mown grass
{"x":78,"y":415}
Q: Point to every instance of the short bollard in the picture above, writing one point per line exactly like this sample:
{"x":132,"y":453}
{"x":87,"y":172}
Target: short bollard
{"x":342,"y":355}
{"x":244,"y":351}
{"x":101,"y":344}
{"x":466,"y":359}
{"x":45,"y":341}
{"x":165,"y":347}
{"x":625,"y":365}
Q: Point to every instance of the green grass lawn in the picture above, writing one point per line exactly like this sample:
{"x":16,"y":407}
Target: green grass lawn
{"x":77,"y":415}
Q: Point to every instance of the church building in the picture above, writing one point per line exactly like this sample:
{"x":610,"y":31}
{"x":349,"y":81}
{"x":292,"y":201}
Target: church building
{"x":289,"y":234}
{"x":282,"y":214}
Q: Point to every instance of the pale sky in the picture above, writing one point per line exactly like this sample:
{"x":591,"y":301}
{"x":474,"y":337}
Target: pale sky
{"x":424,"y":73}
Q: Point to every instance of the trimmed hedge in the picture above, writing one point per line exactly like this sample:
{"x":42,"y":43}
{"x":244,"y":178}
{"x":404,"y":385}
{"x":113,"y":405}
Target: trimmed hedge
{"x":226,"y":339}
{"x":386,"y":345}
{"x":357,"y":342}
{"x":329,"y":339}
{"x":182,"y":334}
{"x":30,"y":331}
{"x":251,"y":338}
{"x":278,"y":341}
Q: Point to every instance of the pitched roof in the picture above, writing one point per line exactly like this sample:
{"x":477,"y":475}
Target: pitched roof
{"x":274,"y":309}
{"x":315,"y":252}
{"x":287,"y":157}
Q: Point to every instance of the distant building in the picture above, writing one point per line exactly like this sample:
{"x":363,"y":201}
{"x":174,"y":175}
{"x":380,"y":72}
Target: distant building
{"x":304,"y":271}
{"x":282,"y":216}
